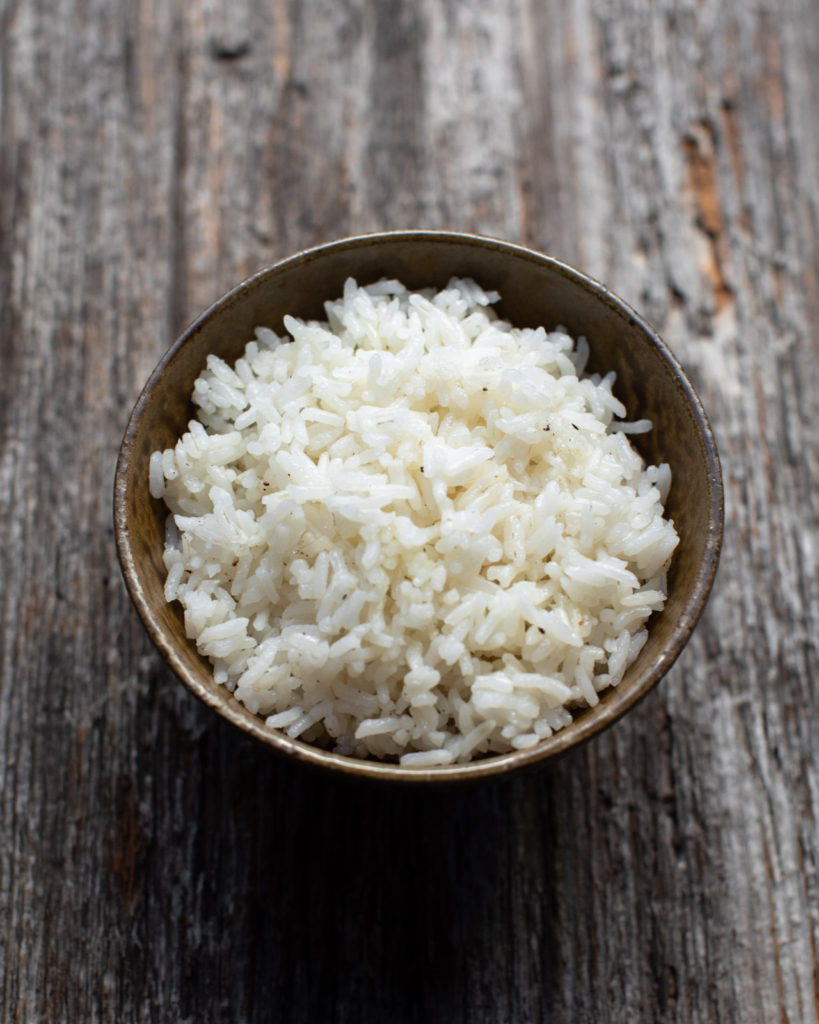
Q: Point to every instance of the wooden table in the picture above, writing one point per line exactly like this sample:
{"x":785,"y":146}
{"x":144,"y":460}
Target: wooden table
{"x":156,"y":867}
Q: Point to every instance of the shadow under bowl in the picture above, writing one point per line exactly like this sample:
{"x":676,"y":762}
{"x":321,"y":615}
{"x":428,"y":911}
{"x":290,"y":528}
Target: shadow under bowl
{"x":535,"y":291}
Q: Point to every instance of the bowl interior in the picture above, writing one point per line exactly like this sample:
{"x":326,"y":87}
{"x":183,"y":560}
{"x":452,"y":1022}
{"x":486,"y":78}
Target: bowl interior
{"x":535,"y":291}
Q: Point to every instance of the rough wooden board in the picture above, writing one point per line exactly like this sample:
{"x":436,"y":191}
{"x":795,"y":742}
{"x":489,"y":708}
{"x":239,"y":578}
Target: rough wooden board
{"x":153,"y":866}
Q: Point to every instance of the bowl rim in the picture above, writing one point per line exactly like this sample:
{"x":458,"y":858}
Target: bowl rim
{"x":491,"y":766}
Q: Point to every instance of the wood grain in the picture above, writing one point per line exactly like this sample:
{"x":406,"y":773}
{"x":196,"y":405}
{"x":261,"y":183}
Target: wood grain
{"x":156,"y":867}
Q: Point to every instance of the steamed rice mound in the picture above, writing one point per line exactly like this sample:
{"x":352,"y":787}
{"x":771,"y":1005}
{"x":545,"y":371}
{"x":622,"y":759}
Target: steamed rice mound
{"x":414,"y":532}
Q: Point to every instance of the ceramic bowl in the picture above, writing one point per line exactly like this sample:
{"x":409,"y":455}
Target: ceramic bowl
{"x":536,"y":290}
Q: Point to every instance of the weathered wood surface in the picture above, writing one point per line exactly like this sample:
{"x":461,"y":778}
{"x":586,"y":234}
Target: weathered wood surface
{"x":156,"y":867}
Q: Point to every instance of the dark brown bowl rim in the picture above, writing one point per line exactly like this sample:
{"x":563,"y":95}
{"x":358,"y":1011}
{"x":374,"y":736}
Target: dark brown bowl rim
{"x":582,"y":730}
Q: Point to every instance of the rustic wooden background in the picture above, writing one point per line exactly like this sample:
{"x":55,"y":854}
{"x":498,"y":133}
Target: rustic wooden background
{"x":156,"y":867}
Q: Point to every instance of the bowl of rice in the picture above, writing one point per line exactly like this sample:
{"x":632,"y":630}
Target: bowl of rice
{"x":419,"y":506}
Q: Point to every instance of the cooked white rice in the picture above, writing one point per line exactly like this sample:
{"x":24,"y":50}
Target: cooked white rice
{"x":414,"y":532}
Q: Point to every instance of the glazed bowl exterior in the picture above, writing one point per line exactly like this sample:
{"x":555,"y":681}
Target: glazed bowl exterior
{"x":535,"y":291}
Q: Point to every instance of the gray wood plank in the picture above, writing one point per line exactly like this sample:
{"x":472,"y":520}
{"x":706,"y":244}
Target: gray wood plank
{"x":156,"y":867}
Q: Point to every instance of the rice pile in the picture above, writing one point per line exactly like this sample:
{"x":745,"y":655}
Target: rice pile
{"x":415,"y":532}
